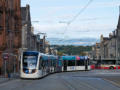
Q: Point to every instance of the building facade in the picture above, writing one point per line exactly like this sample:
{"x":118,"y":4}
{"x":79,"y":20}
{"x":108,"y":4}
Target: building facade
{"x":110,"y":46}
{"x":118,"y":38}
{"x":27,"y":34}
{"x":96,"y":51}
{"x":10,"y":28}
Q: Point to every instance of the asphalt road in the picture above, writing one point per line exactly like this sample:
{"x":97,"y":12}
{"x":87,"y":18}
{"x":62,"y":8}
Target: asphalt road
{"x":85,"y":80}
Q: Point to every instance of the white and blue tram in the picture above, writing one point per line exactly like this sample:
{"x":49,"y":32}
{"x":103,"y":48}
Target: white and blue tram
{"x":36,"y":65}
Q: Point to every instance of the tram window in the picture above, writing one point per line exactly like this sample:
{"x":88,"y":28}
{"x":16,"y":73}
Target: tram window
{"x":80,"y":63}
{"x":50,"y":62}
{"x":54,"y":63}
{"x":40,"y":63}
{"x":43,"y":63}
{"x":71,"y":63}
{"x":46,"y":63}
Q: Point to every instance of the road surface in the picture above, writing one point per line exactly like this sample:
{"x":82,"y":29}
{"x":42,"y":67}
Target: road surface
{"x":85,"y":80}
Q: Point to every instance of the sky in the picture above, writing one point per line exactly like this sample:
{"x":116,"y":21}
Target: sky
{"x":100,"y":17}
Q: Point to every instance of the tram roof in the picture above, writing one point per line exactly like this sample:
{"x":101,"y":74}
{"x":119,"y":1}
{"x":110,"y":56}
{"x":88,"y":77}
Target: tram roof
{"x":30,"y":52}
{"x":49,"y":57}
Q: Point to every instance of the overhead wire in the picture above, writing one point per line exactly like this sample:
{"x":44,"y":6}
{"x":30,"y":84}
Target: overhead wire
{"x":68,"y":23}
{"x":82,"y":10}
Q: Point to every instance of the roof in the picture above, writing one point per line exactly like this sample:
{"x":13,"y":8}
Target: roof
{"x":25,"y":14}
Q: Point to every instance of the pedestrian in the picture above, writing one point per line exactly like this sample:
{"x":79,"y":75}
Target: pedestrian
{"x":8,"y":74}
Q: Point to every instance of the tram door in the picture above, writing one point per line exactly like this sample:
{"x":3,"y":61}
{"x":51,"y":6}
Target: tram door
{"x":65,"y":65}
{"x":86,"y":64}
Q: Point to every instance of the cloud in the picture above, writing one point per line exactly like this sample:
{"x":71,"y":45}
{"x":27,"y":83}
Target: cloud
{"x":74,"y":31}
{"x":91,"y":23}
{"x":102,"y":4}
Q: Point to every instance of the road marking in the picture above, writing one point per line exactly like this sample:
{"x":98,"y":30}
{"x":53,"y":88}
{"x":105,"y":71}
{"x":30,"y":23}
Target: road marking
{"x":112,"y":82}
{"x":86,"y":85}
{"x":89,"y":86}
{"x":69,"y":85}
{"x":118,"y":73}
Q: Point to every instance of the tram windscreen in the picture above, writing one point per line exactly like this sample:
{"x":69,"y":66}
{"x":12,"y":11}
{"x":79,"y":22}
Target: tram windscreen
{"x":29,"y":61}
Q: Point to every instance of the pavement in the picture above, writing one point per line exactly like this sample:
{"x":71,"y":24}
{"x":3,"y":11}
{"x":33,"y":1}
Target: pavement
{"x":3,"y":80}
{"x":12,"y":77}
{"x":81,"y":80}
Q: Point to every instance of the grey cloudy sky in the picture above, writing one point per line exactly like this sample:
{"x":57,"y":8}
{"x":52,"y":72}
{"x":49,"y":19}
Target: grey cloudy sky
{"x":101,"y":17}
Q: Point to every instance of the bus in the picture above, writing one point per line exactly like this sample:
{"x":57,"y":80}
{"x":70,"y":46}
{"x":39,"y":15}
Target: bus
{"x":108,"y":64}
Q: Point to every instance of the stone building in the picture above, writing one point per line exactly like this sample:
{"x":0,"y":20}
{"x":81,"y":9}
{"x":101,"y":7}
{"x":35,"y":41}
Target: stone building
{"x":10,"y":28}
{"x":118,"y":38}
{"x":108,"y":46}
{"x":42,"y":44}
{"x":96,"y":51}
{"x":30,"y":41}
{"x":27,"y":30}
{"x":47,"y":47}
{"x":104,"y":41}
{"x":112,"y":46}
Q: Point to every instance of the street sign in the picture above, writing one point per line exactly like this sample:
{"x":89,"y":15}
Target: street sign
{"x":5,"y":56}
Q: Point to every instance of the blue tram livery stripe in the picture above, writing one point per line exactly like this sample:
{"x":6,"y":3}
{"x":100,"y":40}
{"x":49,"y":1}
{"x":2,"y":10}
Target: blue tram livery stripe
{"x":74,"y":58}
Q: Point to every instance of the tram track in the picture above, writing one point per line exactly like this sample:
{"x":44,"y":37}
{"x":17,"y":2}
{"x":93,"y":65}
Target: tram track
{"x":69,"y":85}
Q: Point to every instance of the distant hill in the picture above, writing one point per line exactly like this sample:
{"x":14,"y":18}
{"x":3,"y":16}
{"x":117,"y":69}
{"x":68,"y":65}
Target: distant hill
{"x":75,"y":42}
{"x":72,"y":50}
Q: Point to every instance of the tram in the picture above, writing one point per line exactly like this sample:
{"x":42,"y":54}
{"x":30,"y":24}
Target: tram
{"x":36,"y":65}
